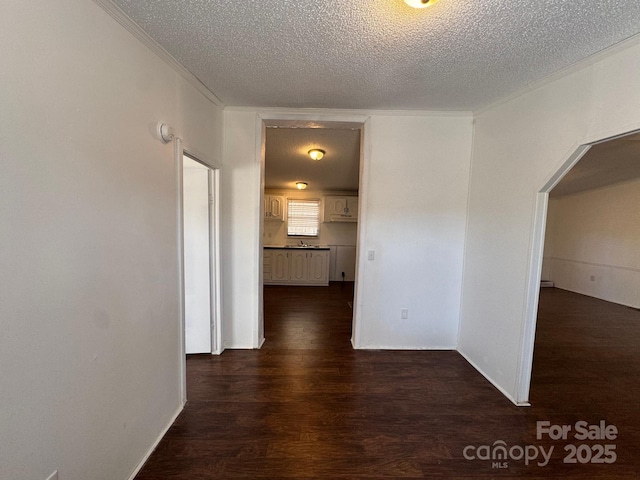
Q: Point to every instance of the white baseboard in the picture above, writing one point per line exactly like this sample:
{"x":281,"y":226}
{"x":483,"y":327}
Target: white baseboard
{"x":155,"y":444}
{"x":490,"y":380}
{"x":611,"y":283}
{"x":405,"y":347}
{"x":242,"y":346}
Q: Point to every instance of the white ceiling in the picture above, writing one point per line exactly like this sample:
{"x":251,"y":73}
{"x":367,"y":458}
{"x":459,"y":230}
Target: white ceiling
{"x":604,"y":164}
{"x":382,"y":54}
{"x":287,"y":160}
{"x":379,"y":54}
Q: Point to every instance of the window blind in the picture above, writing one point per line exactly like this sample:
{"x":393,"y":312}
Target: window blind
{"x":303,"y":218}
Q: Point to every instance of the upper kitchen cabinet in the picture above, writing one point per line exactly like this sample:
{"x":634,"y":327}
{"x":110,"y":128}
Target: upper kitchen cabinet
{"x":274,"y":208}
{"x":340,"y":209}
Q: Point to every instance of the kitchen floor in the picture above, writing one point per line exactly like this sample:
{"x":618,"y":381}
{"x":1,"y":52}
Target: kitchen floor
{"x":308,"y":318}
{"x":308,"y":406}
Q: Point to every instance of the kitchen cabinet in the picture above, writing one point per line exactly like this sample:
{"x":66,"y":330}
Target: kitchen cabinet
{"x":340,"y":208}
{"x":318,"y":268}
{"x":296,"y":266}
{"x":266,"y":266}
{"x":274,"y":207}
{"x":275,"y":266}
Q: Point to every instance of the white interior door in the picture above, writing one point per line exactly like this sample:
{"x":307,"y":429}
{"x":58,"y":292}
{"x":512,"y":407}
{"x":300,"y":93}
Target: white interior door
{"x":197,"y":256}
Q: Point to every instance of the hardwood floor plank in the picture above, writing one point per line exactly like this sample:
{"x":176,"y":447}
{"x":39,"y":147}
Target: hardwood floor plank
{"x":308,"y":406}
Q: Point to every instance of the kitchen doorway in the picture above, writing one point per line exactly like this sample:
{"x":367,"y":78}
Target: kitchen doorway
{"x":292,"y":179}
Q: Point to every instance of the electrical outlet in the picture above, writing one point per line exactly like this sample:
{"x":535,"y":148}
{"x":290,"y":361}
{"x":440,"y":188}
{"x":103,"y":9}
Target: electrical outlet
{"x":592,"y":278}
{"x":53,"y":476}
{"x":371,"y":255}
{"x":404,"y":313}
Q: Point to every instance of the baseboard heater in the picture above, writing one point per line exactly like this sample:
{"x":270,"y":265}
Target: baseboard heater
{"x":546,"y":283}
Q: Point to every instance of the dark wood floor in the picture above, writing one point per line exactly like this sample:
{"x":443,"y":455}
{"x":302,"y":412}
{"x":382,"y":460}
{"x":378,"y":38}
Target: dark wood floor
{"x":308,"y":406}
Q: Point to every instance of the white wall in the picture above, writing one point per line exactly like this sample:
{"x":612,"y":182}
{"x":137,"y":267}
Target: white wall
{"x":593,"y":243}
{"x":518,"y":146}
{"x":416,"y":181}
{"x":90,"y":344}
{"x":241,"y":211}
{"x":415,"y":214}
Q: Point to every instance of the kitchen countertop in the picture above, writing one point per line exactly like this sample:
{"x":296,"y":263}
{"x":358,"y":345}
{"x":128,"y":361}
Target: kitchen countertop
{"x":298,"y":247}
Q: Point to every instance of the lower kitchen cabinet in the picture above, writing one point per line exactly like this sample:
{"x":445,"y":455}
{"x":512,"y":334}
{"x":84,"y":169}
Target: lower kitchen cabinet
{"x":296,"y":266}
{"x":279,"y":266}
{"x":318,"y":268}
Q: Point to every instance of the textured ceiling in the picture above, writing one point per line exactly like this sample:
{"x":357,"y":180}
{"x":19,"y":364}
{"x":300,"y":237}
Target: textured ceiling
{"x":379,"y":54}
{"x":287,"y":160}
{"x":382,"y":54}
{"x":604,"y":164}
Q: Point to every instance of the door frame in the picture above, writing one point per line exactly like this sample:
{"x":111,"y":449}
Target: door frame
{"x":180,"y":150}
{"x":317,"y":120}
{"x":525,"y":364}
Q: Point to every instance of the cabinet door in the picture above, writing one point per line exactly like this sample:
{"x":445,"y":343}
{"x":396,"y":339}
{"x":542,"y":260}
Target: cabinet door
{"x":274,"y":208}
{"x":279,"y":266}
{"x":319,"y":267}
{"x":352,"y":207}
{"x":266,"y":265}
{"x":277,"y":208}
{"x":298,"y":266}
{"x":335,"y":206}
{"x":340,"y":209}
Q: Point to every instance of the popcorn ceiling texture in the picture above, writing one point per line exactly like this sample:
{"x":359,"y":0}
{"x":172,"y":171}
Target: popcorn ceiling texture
{"x":379,"y":54}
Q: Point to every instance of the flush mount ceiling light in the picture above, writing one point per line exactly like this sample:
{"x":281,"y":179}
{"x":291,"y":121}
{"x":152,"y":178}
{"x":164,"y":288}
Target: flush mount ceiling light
{"x":316,"y":153}
{"x":301,"y":185}
{"x":420,"y":3}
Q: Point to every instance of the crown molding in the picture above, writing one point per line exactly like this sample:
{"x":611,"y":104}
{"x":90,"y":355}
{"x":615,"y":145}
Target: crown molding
{"x":132,"y":27}
{"x":286,"y":112}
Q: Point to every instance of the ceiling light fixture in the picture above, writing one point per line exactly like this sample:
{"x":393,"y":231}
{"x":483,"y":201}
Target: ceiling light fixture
{"x":316,"y":153}
{"x":420,"y":3}
{"x":301,"y":185}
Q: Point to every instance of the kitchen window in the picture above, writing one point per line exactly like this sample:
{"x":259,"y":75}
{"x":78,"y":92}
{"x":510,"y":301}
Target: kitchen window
{"x":303,"y":218}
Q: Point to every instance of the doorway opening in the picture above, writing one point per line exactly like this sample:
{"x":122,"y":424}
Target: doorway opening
{"x":585,"y":237}
{"x":199,"y":206}
{"x":311,"y":220}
